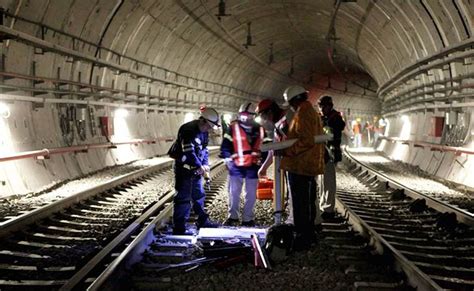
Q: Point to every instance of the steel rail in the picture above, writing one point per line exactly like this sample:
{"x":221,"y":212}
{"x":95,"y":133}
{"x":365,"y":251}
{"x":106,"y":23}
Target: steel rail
{"x":461,"y":215}
{"x":123,"y":236}
{"x":416,"y":277}
{"x":132,"y":253}
{"x":18,"y":223}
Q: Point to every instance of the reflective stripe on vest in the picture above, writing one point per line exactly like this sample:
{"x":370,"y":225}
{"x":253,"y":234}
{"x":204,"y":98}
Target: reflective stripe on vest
{"x":245,"y":155}
{"x":279,"y":126}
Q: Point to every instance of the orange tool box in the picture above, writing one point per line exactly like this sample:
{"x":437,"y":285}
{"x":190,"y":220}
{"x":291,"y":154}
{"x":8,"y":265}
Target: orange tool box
{"x":265,"y":189}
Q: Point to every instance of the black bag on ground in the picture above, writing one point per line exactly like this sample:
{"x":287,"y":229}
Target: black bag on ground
{"x":175,"y":151}
{"x":279,"y":242}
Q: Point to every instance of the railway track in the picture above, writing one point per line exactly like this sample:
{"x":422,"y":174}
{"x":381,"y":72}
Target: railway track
{"x":156,"y":249}
{"x":421,"y":232}
{"x":461,"y":205}
{"x":380,"y":231}
{"x":157,"y":260}
{"x":77,"y":242}
{"x":48,"y":247}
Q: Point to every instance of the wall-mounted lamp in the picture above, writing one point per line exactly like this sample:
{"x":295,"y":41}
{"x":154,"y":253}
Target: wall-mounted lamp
{"x":188,"y":117}
{"x":292,"y":67}
{"x":121,"y":113}
{"x":222,"y":12}
{"x":271,"y":57}
{"x":227,"y":118}
{"x":249,"y":36}
{"x":4,"y":110}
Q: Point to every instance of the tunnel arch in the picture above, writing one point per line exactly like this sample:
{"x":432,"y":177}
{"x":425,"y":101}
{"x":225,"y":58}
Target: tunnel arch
{"x":161,"y":59}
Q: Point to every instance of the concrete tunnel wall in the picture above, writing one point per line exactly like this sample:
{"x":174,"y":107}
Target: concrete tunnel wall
{"x":453,"y":167}
{"x":181,"y":42}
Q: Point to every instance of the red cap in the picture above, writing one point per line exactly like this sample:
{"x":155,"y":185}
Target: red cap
{"x":263,"y":105}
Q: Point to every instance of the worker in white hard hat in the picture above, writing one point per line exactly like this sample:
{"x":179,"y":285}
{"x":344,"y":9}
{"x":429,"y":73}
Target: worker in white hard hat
{"x":303,"y":161}
{"x":240,"y":149}
{"x":191,"y":164}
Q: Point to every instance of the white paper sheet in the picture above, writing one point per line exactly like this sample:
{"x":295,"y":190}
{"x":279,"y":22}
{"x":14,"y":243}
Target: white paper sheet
{"x":287,"y":143}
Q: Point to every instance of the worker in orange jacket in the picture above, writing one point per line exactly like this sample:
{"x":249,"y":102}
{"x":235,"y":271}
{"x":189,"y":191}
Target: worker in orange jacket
{"x":303,"y":161}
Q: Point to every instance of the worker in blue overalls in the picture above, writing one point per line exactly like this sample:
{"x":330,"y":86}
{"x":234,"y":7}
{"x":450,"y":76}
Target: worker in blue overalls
{"x":190,"y":168}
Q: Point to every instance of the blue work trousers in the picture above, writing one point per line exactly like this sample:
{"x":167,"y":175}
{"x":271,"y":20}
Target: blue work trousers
{"x":189,"y":189}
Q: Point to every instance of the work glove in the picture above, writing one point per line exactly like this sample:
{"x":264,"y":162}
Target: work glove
{"x":201,"y":170}
{"x":228,"y":163}
{"x":207,"y":180}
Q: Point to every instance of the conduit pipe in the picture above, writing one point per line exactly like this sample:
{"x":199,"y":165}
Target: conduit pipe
{"x":437,"y":59}
{"x":434,"y":147}
{"x":46,"y":153}
{"x":76,"y":55}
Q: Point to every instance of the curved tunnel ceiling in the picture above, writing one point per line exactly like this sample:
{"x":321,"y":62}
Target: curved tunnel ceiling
{"x":364,"y":43}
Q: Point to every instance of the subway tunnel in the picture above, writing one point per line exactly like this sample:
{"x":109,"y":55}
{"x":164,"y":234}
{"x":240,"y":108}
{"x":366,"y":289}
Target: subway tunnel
{"x":68,"y":66}
{"x":92,"y":85}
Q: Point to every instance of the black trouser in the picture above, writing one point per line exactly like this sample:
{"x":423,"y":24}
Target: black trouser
{"x":303,"y":192}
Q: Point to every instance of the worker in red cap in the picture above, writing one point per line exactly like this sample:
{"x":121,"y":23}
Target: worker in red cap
{"x":275,"y":119}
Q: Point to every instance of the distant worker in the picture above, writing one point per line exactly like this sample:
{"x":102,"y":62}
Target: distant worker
{"x":277,"y":120}
{"x":368,"y":133}
{"x":357,"y":131}
{"x":303,"y":161}
{"x":190,"y":167}
{"x":379,"y":129}
{"x":240,"y":149}
{"x":333,"y":123}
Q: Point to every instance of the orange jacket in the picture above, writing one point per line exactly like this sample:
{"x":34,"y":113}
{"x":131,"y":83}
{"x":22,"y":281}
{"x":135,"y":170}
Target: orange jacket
{"x":304,"y":157}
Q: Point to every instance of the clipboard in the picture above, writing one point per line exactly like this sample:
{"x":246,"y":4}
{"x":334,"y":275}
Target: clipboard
{"x":323,"y":138}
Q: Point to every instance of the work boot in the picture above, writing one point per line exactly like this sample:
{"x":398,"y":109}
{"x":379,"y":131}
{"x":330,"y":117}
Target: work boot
{"x":327,"y":215}
{"x":231,"y":222}
{"x":207,"y":224}
{"x":249,"y":223}
{"x":182,"y":231}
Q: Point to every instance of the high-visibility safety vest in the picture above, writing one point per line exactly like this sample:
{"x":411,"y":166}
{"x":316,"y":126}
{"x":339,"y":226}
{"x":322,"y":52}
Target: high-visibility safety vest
{"x":245,"y":154}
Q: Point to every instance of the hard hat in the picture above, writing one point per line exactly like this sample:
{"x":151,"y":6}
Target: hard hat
{"x":248,"y":108}
{"x":292,"y":92}
{"x":264,"y":105}
{"x":325,"y":100}
{"x":211,"y":116}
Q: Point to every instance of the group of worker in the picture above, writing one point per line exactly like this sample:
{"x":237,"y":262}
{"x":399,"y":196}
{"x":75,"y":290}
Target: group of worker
{"x":301,"y":162}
